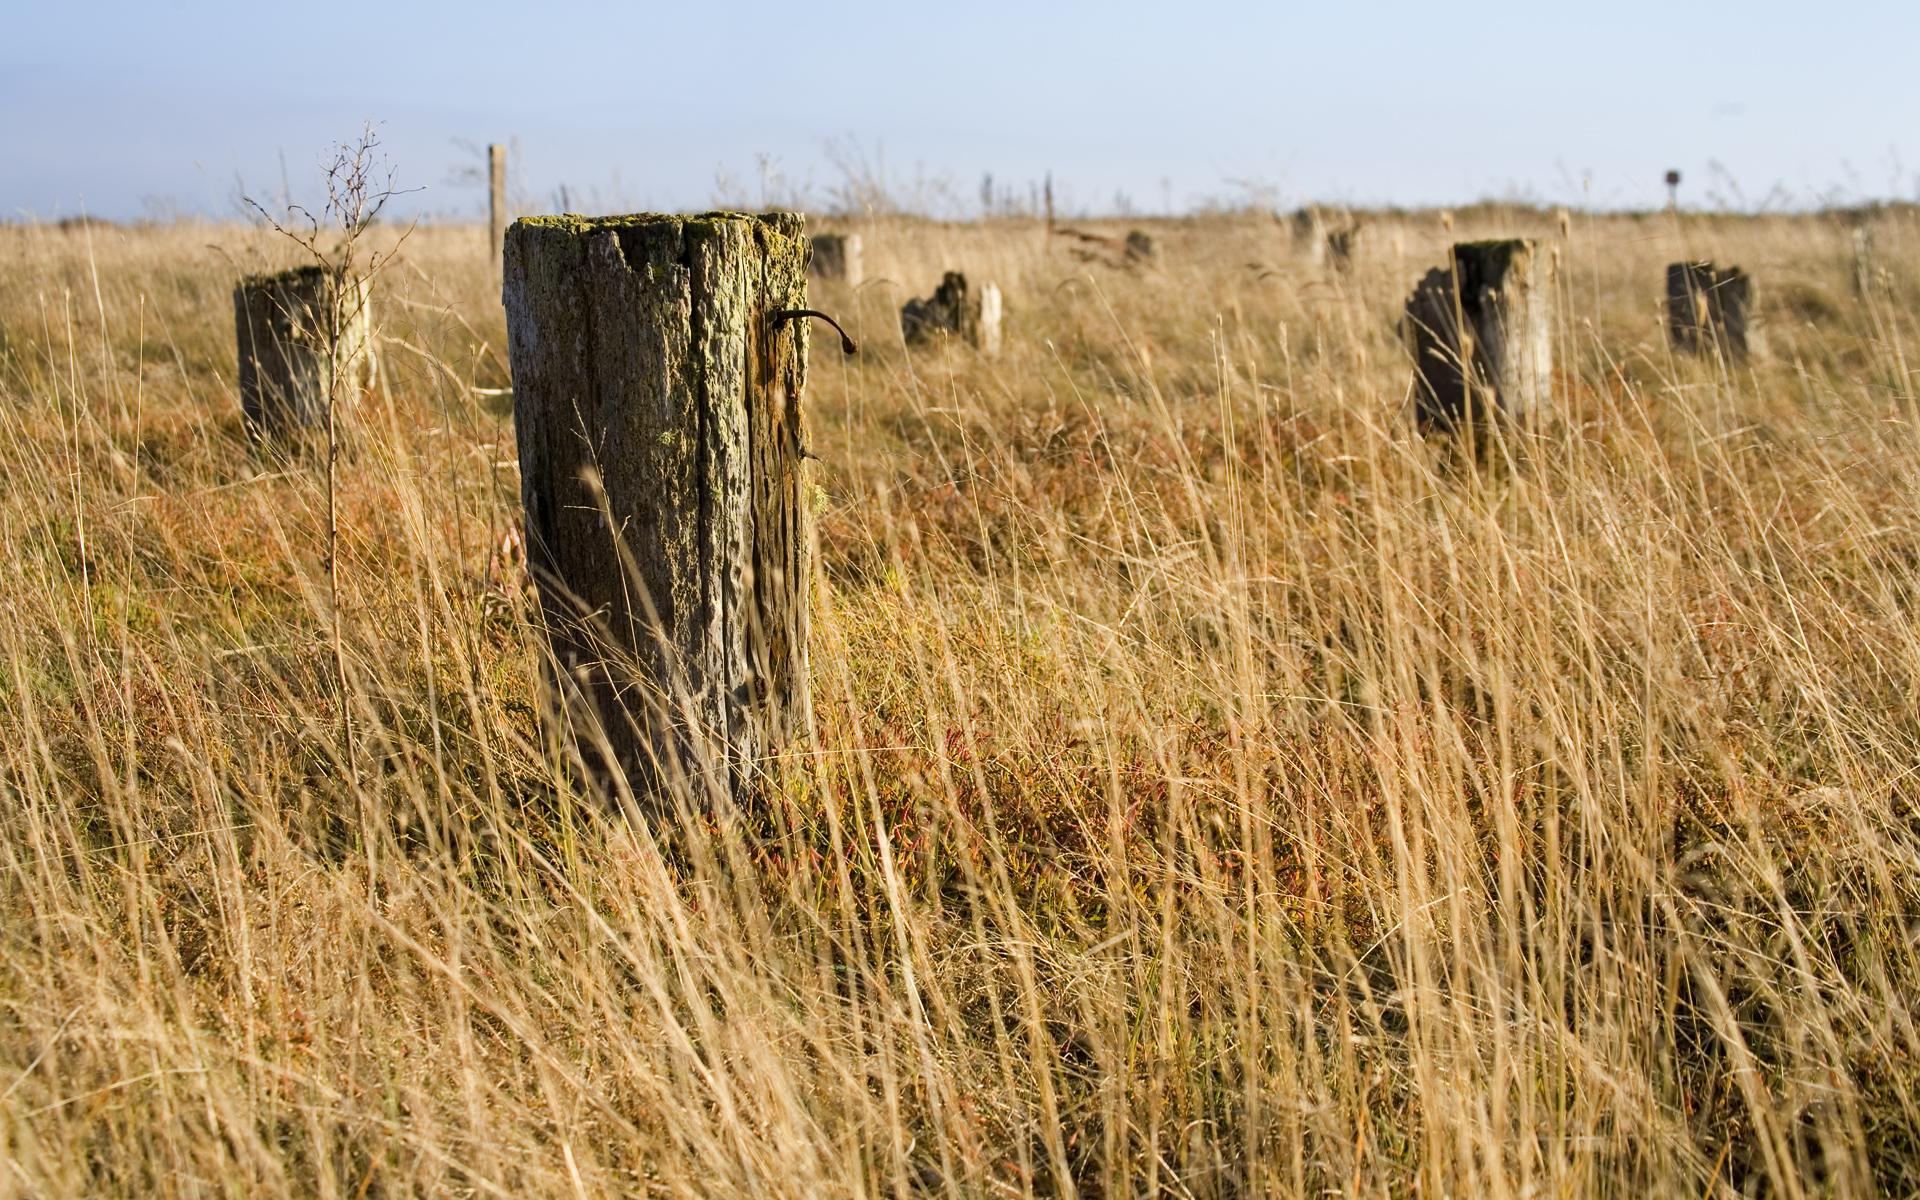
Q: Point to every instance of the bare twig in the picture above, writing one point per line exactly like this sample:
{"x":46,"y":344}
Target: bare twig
{"x":359,"y":184}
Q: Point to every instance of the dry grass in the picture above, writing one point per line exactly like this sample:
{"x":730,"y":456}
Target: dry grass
{"x":1217,"y":791}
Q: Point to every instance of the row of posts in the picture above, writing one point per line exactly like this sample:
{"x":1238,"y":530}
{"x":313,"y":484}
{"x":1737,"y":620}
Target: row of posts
{"x":661,"y":458}
{"x":1478,"y":328}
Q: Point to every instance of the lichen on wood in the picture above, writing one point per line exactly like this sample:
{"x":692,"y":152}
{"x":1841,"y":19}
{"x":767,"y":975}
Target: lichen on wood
{"x":657,"y":410}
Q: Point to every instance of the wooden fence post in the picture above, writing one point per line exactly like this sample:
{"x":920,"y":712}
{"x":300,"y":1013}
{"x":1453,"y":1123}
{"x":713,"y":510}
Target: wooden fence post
{"x":1481,"y":335}
{"x":1310,"y":234}
{"x":302,"y":338}
{"x":1710,"y":310}
{"x":990,"y":312}
{"x":837,"y":256}
{"x":658,"y":363}
{"x":496,"y":201}
{"x":955,"y":310}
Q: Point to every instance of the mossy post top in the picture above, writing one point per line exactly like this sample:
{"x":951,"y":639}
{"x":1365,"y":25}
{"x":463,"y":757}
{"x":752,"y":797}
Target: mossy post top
{"x":649,"y":241}
{"x":785,"y":223}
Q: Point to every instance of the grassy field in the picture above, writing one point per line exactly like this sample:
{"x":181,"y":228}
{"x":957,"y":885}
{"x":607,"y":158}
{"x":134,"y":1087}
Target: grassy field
{"x":1218,"y":790}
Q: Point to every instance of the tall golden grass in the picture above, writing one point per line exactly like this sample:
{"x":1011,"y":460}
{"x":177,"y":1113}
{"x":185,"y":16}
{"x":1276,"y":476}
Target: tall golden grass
{"x":1218,"y":791}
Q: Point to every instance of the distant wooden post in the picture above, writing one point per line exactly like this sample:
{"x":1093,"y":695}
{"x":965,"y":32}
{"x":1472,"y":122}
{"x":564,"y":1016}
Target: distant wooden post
{"x":954,"y":310}
{"x":657,"y":372}
{"x":1310,"y":234}
{"x":1342,"y":244}
{"x":496,"y":201}
{"x":1710,"y":310}
{"x":837,"y":256}
{"x":990,"y":312}
{"x":302,"y":339}
{"x":1481,"y":337}
{"x":1867,"y":277}
{"x":1049,"y":198}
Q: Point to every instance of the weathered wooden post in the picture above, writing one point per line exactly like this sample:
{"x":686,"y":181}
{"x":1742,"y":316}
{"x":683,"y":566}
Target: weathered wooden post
{"x":1710,"y":310}
{"x":1481,"y":336}
{"x":954,"y":310}
{"x":496,"y":201}
{"x":837,"y":256}
{"x":1310,"y":234}
{"x":989,"y":326}
{"x":305,"y":339}
{"x":658,"y":363}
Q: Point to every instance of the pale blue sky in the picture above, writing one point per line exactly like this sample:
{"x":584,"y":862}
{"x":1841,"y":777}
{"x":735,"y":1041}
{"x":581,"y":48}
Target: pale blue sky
{"x":124,"y":107}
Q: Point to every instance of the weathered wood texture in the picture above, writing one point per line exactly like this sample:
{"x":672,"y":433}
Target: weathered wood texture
{"x":304,"y":336}
{"x":1481,"y":336}
{"x":837,"y":256}
{"x":1711,"y":311}
{"x":496,"y":201}
{"x":955,"y":310}
{"x":657,"y":406}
